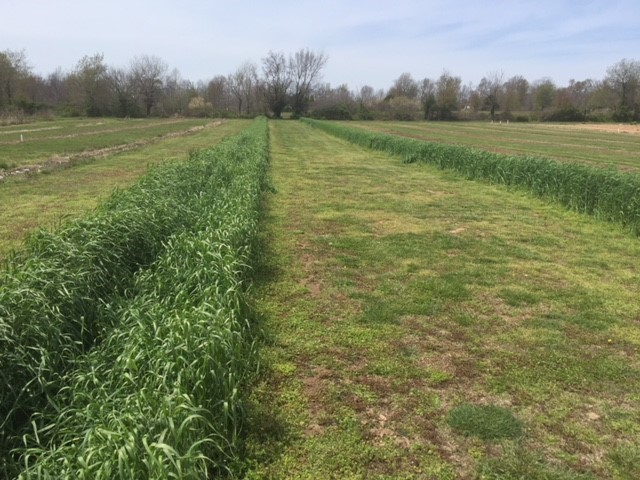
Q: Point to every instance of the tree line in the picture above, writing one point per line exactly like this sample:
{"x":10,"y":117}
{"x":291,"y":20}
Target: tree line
{"x":614,"y":98}
{"x":292,"y":83}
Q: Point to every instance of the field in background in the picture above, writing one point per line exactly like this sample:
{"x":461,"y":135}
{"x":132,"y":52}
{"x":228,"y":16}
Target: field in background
{"x":600,"y":145}
{"x":50,"y":141}
{"x":43,"y":200}
{"x":419,"y":325}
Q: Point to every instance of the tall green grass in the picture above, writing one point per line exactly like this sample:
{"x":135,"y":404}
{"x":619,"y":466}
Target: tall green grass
{"x":604,"y":193}
{"x":152,"y":288}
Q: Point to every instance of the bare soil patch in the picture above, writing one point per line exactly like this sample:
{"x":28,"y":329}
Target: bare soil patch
{"x":600,"y":127}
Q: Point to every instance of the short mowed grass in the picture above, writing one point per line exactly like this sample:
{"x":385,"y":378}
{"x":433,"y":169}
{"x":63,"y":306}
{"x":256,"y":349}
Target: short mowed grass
{"x":420,"y":325}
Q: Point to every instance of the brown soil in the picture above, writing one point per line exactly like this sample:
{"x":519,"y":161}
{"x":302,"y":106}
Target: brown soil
{"x":602,"y":127}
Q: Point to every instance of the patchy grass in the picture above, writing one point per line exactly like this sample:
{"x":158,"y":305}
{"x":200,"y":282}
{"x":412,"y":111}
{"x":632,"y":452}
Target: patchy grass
{"x":43,"y":201}
{"x":394,"y":293}
{"x":562,"y":142}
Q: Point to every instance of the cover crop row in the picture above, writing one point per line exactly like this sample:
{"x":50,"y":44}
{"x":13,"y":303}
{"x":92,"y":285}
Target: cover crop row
{"x":604,"y":193}
{"x":125,"y":338}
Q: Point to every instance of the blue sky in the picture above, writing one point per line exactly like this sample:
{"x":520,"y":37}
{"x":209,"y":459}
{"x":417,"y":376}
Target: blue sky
{"x":367,"y":42}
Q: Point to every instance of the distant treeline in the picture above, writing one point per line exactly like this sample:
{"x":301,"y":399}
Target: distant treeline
{"x":291,"y":84}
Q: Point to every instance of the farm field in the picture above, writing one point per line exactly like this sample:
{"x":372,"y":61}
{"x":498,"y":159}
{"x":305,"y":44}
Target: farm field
{"x":48,"y":141}
{"x":421,"y":325}
{"x":414,"y":324}
{"x":602,"y":145}
{"x":126,"y":339}
{"x":46,"y":199}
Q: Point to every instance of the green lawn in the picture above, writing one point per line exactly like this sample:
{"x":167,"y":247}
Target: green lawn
{"x":576,"y":143}
{"x":419,"y":325}
{"x":46,"y":199}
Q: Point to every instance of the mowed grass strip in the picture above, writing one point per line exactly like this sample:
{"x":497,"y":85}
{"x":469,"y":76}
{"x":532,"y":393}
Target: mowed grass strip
{"x":609,"y":145}
{"x":397,"y":296}
{"x":45,"y":200}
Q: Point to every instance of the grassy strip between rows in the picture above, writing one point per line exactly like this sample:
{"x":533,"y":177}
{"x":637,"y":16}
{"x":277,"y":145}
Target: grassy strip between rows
{"x":604,"y":193}
{"x":125,"y":336}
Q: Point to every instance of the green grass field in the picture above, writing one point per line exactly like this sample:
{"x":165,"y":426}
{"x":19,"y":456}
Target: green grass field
{"x":602,"y":145}
{"x":35,"y":143}
{"x":415,"y":324}
{"x":424,"y":326}
{"x":44,"y":200}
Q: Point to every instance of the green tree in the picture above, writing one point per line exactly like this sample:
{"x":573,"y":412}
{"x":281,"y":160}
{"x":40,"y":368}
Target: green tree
{"x":544,"y":92}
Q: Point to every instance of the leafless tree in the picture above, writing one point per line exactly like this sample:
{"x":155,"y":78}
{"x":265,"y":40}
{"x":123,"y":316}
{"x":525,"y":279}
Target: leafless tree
{"x":147,"y":72}
{"x":123,"y":91}
{"x":277,"y":81}
{"x":490,"y":89}
{"x":404,"y":86}
{"x":305,"y":68}
{"x":447,"y":93}
{"x":242,"y":84}
{"x":91,"y":92}
{"x":427,"y":94}
{"x":624,"y":79}
{"x":218,"y":95}
{"x":516,"y":94}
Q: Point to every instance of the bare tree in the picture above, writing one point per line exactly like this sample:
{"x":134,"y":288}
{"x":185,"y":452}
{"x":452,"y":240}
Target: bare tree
{"x":91,"y":86}
{"x":447,"y":93}
{"x":218,"y":95}
{"x":624,"y":79}
{"x":305,"y":68}
{"x":123,"y":93}
{"x":516,"y":94}
{"x":56,"y":88}
{"x":404,"y":86}
{"x":490,"y":89}
{"x":277,"y":81}
{"x":428,"y":97}
{"x":13,"y":70}
{"x":146,"y":73}
{"x":579,"y":94}
{"x":242,"y":85}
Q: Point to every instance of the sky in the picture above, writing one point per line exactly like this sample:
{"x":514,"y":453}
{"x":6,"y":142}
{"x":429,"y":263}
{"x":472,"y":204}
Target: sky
{"x":366,"y":42}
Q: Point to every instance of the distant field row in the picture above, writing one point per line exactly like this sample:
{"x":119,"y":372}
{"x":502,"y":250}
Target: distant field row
{"x":22,"y":145}
{"x":604,"y":145}
{"x":29,"y":202}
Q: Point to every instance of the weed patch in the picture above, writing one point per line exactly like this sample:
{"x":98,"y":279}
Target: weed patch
{"x":487,"y":422}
